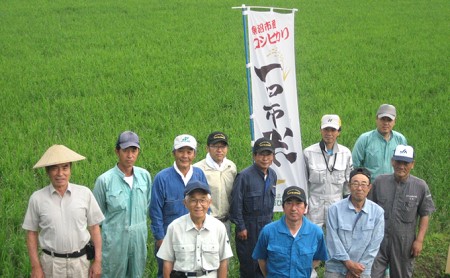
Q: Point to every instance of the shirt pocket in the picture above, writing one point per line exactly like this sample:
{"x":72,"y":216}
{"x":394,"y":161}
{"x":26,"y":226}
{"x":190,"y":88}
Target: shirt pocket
{"x":409,"y":211}
{"x":317,"y":176}
{"x":279,"y":255}
{"x":346,"y":235}
{"x":251,"y":201}
{"x":210,"y":256}
{"x":185,"y":256}
{"x":338,"y":176}
{"x":116,"y":200}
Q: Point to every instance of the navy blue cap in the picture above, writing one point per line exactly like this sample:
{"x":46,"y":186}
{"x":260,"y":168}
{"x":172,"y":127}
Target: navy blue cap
{"x":194,"y":185}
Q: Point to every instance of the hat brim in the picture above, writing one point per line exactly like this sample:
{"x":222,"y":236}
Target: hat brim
{"x":330,"y":125}
{"x":402,"y":158}
{"x":129,"y":144}
{"x":390,"y":116}
{"x":58,"y":154}
{"x":295,"y":197}
{"x":206,"y":191}
{"x":184,"y":145}
{"x":215,"y":141}
{"x":265,"y":149}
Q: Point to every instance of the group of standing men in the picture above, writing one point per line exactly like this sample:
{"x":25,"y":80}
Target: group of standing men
{"x":191,"y":208}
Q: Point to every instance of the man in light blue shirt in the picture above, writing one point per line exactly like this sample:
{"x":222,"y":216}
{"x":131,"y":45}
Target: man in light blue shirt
{"x":355,"y":229}
{"x":374,"y":149}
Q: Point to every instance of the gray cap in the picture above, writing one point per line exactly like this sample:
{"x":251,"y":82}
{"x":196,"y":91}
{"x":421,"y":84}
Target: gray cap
{"x":128,"y":139}
{"x":387,"y":110}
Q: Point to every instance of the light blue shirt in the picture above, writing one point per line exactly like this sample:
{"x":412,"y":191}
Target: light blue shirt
{"x":373,"y":152}
{"x":353,"y":235}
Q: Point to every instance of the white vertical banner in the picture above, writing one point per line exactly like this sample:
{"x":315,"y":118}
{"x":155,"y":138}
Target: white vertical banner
{"x":274,"y":94}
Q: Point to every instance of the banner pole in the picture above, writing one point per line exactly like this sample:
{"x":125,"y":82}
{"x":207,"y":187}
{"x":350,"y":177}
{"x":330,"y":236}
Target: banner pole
{"x":248,"y":66}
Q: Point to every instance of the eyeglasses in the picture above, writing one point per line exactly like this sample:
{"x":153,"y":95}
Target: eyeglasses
{"x":363,"y":185}
{"x":218,"y":147}
{"x":202,"y":202}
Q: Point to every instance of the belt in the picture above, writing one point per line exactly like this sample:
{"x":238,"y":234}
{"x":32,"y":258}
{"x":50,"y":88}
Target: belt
{"x":198,"y":273}
{"x":69,"y":255}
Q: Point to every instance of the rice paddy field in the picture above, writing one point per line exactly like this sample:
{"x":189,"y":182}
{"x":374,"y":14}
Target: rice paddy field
{"x":80,"y":72}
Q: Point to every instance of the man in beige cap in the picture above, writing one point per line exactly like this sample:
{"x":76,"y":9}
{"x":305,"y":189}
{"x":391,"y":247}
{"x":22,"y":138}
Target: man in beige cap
{"x":374,"y":149}
{"x":64,"y":217}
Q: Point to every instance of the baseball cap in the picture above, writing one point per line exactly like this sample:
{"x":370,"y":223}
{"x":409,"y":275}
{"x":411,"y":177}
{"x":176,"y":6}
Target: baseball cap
{"x":128,"y":139}
{"x":58,"y":154}
{"x":194,"y":185}
{"x":217,"y":137}
{"x":360,"y":170}
{"x":387,"y":110}
{"x":404,"y":153}
{"x":263,"y":144}
{"x":184,"y":140}
{"x":294,"y":192}
{"x":332,"y":121}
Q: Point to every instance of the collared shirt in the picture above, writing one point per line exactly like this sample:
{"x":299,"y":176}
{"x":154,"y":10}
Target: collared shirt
{"x":62,"y":221}
{"x":288,"y":256}
{"x":402,"y":202}
{"x":188,"y":176}
{"x":321,"y":182}
{"x":353,"y":235}
{"x":253,"y":197}
{"x":167,"y":198}
{"x":193,"y":249}
{"x":123,"y":206}
{"x":373,"y":152}
{"x":220,"y":182}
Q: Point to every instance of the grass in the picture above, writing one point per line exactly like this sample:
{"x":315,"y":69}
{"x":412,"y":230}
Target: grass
{"x":78,"y":73}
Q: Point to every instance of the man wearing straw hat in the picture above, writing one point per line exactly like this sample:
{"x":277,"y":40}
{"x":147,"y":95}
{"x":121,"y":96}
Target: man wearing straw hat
{"x":63,"y":217}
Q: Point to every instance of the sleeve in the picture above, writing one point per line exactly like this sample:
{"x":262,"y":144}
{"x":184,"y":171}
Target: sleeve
{"x":358,"y":152}
{"x":31,"y":221}
{"x":94,"y":214}
{"x":224,"y":243}
{"x":335,"y":247}
{"x":260,"y":251}
{"x":156,"y":208}
{"x":236,"y":205}
{"x":348,"y":169}
{"x":100,"y":193}
{"x":371,"y":251}
{"x":149,"y":187}
{"x":321,"y":253}
{"x":166,"y":251}
{"x":426,"y":206}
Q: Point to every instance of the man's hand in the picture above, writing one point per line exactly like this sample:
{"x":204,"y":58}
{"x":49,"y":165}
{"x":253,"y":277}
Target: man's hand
{"x":36,"y":272}
{"x":242,"y":235}
{"x":354,"y":269}
{"x":96,"y":270}
{"x":416,"y":248}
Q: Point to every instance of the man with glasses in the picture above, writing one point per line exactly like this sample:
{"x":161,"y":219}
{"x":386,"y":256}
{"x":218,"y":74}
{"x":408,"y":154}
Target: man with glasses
{"x":328,"y":164}
{"x":355,"y":229}
{"x":252,"y":201}
{"x":292,"y":245}
{"x":196,"y":244}
{"x":220,"y":173}
{"x":405,"y":199}
{"x":373,"y":149}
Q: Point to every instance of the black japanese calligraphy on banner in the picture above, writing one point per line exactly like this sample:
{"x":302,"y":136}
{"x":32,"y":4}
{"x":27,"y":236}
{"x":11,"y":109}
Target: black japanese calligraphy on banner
{"x":274,"y":94}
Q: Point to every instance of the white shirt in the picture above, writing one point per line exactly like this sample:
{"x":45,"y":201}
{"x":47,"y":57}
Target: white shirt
{"x":191,"y":249}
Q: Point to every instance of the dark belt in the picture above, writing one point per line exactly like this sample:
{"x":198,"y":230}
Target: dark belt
{"x":70,"y":255}
{"x":198,"y":273}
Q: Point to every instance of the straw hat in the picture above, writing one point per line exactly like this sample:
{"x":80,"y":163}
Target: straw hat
{"x":58,"y":154}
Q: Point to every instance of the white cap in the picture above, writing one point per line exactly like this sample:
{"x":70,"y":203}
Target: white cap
{"x":404,"y":153}
{"x":332,"y":121}
{"x":184,"y":140}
